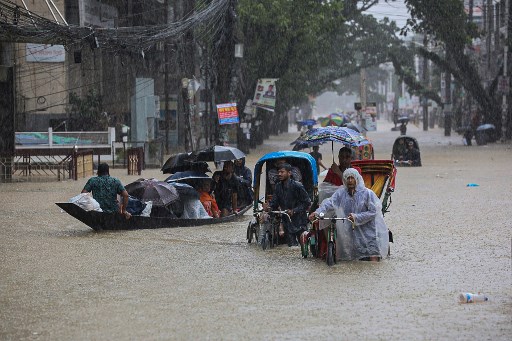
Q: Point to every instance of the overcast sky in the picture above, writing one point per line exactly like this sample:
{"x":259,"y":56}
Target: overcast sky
{"x":395,"y":11}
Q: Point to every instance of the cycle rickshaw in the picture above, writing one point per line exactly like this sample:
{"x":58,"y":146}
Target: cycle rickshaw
{"x":399,"y":152}
{"x":379,"y":176}
{"x":264,"y":227}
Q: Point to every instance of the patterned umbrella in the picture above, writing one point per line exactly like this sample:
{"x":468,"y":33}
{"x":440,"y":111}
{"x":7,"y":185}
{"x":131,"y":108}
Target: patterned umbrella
{"x":347,"y":136}
{"x":324,"y":121}
{"x":300,"y":144}
{"x":343,"y":135}
{"x":334,"y":119}
{"x":159,"y":192}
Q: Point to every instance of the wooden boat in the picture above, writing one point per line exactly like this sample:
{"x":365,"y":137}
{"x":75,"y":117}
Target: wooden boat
{"x":101,"y":221}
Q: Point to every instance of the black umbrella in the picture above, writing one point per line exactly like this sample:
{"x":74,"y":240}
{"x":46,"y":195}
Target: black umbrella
{"x":186,"y":175}
{"x":183,"y":162}
{"x":186,"y":192}
{"x":300,"y":144}
{"x":159,"y":192}
{"x":218,"y":154}
{"x":403,"y":119}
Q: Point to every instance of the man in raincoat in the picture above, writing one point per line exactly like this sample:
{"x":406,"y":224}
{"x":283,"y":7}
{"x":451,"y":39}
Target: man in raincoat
{"x":368,"y":233}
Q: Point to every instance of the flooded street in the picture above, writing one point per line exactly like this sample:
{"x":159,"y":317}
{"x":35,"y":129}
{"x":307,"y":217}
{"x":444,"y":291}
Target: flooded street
{"x":60,"y":280}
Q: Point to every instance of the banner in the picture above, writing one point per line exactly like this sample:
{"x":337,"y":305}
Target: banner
{"x":228,"y":113}
{"x":45,"y":53}
{"x":265,"y":94}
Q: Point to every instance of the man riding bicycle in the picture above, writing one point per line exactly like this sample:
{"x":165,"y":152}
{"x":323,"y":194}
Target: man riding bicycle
{"x":290,"y":196}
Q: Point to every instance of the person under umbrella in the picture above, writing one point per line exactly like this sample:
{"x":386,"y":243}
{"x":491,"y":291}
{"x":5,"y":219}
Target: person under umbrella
{"x":227,"y":190}
{"x":335,"y":172}
{"x":208,"y":201}
{"x":244,"y":175}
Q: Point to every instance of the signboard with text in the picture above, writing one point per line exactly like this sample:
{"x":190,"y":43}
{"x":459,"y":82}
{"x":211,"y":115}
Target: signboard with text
{"x":45,"y":53}
{"x":227,"y":113}
{"x":265,"y":94}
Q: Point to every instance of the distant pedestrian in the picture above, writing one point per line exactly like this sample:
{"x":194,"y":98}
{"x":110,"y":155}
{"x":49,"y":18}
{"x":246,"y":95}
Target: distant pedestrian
{"x":318,"y":158}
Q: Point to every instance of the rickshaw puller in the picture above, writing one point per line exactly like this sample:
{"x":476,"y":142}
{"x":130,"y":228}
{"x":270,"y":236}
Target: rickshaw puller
{"x":290,"y":196}
{"x":363,"y":208}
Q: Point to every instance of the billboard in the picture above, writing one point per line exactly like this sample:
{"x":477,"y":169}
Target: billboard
{"x":227,"y":113}
{"x":265,"y":94}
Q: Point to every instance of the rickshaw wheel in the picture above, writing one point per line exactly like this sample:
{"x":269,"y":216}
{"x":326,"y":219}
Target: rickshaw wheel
{"x":275,"y":235}
{"x":264,"y":241}
{"x":304,"y":249}
{"x":249,"y":233}
{"x":330,"y":254}
{"x":256,"y":230}
{"x":313,"y":244}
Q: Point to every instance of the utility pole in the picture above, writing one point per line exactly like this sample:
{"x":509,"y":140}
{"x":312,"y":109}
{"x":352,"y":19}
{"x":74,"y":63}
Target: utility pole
{"x":189,"y":141}
{"x":504,"y":107}
{"x":207,"y":117}
{"x":166,"y":82}
{"x":363,"y":96}
{"x":425,"y":84}
{"x":448,"y":104}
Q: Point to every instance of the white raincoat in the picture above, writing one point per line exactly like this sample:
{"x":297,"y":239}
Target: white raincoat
{"x":369,"y":237}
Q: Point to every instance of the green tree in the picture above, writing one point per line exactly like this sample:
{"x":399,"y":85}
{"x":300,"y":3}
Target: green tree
{"x":87,"y":113}
{"x":446,"y":22}
{"x":307,"y":44}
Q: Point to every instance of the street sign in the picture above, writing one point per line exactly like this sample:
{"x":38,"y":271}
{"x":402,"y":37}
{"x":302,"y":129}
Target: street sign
{"x":358,"y":106}
{"x":503,"y":84}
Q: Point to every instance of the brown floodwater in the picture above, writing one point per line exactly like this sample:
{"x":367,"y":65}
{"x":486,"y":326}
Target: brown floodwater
{"x":59,"y":280}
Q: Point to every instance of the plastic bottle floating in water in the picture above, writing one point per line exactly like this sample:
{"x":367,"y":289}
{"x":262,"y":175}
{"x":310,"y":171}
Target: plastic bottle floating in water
{"x":472,"y":185}
{"x":467,"y":297}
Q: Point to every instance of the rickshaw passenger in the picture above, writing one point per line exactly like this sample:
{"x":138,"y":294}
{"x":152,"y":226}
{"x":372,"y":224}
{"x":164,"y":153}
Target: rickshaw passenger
{"x":226,"y":192}
{"x":412,"y":155}
{"x":399,"y":150}
{"x":208,"y":201}
{"x":290,"y":196}
{"x":335,"y":173}
{"x":215,"y":181}
{"x":273,"y":174}
{"x":363,"y":208}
